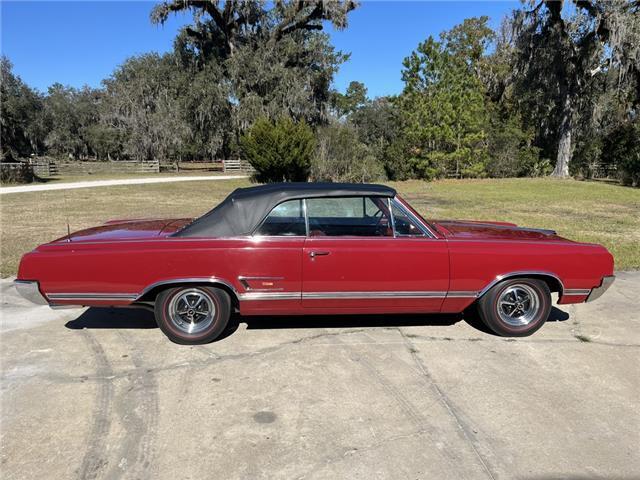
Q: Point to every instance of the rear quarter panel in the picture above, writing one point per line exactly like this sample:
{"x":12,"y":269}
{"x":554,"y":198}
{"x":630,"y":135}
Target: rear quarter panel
{"x":128,"y":267}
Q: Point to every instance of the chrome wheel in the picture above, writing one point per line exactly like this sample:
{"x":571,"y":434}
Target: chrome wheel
{"x":518,"y":305}
{"x":192,"y":311}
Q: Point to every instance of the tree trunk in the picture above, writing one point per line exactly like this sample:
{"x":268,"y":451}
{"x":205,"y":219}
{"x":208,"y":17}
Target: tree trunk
{"x":565,"y":147}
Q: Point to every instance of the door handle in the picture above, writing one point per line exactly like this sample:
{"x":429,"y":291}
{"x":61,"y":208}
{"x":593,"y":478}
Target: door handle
{"x":318,"y":254}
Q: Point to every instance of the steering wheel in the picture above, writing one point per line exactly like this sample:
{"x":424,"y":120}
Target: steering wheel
{"x":379,"y":228}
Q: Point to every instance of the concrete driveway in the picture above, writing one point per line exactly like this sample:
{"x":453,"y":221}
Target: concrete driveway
{"x":102,"y":394}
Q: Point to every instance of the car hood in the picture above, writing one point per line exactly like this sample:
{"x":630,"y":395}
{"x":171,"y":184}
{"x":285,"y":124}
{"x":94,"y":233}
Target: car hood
{"x":473,"y":230}
{"x":127,"y":230}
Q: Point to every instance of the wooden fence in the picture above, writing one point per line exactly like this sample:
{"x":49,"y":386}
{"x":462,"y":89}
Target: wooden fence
{"x":44,"y":167}
{"x":229,"y":165}
{"x":122,"y":166}
{"x":602,"y":170}
{"x":195,"y":166}
{"x":237,"y":165}
{"x":118,"y":166}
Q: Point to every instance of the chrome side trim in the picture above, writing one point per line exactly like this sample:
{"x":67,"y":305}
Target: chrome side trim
{"x":368,"y":239}
{"x":370,"y":295}
{"x":92,"y":296}
{"x":95,"y":296}
{"x":519,"y":241}
{"x":269,"y":296}
{"x":338,"y":295}
{"x":30,"y":290}
{"x":242,"y":277}
{"x":26,"y":290}
{"x":212,"y":280}
{"x":604,"y":286}
{"x":522,"y":273}
{"x":577,"y":291}
{"x":462,"y":294}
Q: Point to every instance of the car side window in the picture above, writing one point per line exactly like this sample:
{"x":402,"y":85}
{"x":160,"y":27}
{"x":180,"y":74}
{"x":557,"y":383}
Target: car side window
{"x":286,"y":219}
{"x":404,"y":225}
{"x":349,"y":216}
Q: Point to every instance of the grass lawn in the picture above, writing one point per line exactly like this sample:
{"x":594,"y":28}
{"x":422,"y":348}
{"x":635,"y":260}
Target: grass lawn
{"x":583,"y":211}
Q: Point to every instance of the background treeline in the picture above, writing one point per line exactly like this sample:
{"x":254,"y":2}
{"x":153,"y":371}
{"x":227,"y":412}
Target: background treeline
{"x":556,"y":89}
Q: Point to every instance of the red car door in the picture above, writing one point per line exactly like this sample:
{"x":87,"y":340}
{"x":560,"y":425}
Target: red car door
{"x":352,"y":262}
{"x":269,"y":267}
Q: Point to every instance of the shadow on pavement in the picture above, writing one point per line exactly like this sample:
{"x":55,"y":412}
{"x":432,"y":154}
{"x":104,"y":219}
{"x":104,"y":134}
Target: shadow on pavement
{"x":347,"y":321}
{"x":557,"y":315}
{"x":113,"y":318}
{"x":138,"y":318}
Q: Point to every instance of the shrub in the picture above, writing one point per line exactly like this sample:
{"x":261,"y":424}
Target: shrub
{"x":474,"y":170}
{"x":341,"y":157}
{"x":18,"y":172}
{"x":280,"y":150}
{"x":510,"y":151}
{"x":585,"y":162}
{"x":399,"y":163}
{"x":540,"y":168}
{"x":622,"y":148}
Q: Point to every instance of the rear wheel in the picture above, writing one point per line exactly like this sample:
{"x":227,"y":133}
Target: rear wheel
{"x":192,"y":315}
{"x":516,"y":308}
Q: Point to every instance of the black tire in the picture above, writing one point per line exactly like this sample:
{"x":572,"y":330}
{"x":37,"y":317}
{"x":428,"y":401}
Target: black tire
{"x":198,"y":324}
{"x":525,"y":316}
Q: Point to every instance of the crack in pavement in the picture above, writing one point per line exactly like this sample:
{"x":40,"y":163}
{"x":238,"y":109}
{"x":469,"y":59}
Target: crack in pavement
{"x":446,"y":402}
{"x":213,"y":357}
{"x":521,"y":341}
{"x":203,"y":362}
{"x":137,"y":407}
{"x":367,"y":448}
{"x":94,"y":459}
{"x":410,"y":410}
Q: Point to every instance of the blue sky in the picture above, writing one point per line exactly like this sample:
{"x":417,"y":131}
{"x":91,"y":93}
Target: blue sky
{"x":78,"y":43}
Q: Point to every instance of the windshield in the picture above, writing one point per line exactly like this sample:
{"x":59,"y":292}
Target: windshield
{"x":406,"y":205}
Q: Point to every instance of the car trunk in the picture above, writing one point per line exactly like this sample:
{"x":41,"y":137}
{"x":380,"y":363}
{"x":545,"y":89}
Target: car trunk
{"x":127,"y":230}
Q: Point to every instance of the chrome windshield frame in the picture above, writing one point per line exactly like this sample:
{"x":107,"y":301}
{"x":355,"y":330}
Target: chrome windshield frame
{"x":426,"y":231}
{"x":393,"y":220}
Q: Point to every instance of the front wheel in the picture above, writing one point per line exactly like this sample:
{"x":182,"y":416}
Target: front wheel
{"x":516,"y":308}
{"x":192,"y":315}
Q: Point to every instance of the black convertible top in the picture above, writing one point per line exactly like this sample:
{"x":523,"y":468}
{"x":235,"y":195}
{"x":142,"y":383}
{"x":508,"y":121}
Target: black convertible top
{"x":245,"y":208}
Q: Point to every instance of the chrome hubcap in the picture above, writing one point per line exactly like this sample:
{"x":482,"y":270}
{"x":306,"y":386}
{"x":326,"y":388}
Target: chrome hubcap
{"x":192,"y":311}
{"x":518,"y":305}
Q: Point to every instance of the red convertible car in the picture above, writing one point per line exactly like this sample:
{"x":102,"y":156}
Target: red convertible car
{"x":315,"y":248}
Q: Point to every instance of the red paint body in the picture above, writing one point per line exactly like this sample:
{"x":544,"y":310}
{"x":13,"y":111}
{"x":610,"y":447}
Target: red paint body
{"x":128,"y":257}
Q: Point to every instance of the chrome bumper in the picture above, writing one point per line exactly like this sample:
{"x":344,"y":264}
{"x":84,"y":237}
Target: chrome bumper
{"x":604,"y":286}
{"x":31,"y":291}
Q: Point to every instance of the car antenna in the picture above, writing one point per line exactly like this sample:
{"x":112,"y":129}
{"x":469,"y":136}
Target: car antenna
{"x":66,"y":212}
